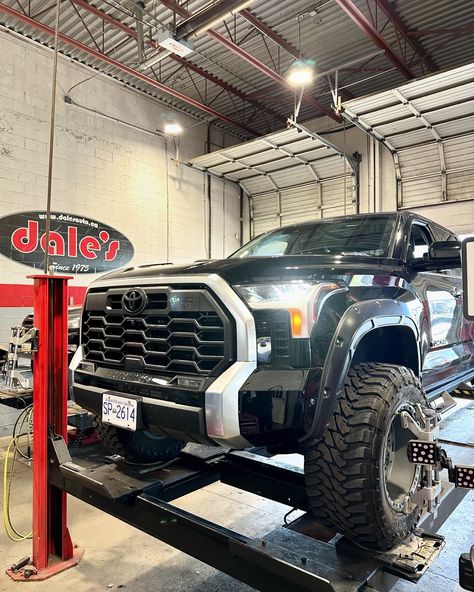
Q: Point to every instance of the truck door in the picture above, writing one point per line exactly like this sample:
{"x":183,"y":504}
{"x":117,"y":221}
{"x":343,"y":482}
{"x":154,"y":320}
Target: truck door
{"x":441,"y":294}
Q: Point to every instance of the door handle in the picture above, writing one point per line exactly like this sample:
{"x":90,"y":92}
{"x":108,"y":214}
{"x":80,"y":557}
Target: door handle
{"x":456,"y":292}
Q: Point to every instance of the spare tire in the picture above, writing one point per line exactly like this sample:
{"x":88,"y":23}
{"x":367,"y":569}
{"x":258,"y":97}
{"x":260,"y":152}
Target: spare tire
{"x":358,"y":477}
{"x":140,"y":446}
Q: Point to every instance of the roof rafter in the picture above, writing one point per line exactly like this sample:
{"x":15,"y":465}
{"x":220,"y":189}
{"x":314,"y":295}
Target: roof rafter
{"x":125,"y":69}
{"x":358,"y":17}
{"x":270,"y":33}
{"x":204,"y":73}
{"x":399,"y":24}
{"x":240,"y":52}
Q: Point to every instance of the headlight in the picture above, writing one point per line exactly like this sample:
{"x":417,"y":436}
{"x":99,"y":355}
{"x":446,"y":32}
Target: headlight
{"x":302,"y":300}
{"x":260,"y":295}
{"x":73,"y":322}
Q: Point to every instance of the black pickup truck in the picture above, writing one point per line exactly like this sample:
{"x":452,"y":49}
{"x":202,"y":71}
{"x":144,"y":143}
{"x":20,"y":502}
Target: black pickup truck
{"x":312,"y":338}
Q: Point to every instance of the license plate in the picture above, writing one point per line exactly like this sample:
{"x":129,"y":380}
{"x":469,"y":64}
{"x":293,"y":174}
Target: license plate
{"x":119,"y":411}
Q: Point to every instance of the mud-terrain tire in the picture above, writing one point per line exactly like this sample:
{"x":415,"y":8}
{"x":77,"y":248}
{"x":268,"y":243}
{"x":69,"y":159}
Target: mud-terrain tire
{"x":140,"y":446}
{"x":358,"y":474}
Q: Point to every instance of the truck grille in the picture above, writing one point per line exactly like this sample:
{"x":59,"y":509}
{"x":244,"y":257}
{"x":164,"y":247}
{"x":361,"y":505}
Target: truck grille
{"x":177,"y":332}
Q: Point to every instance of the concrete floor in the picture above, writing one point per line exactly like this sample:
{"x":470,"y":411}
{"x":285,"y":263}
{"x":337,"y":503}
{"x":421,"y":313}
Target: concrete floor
{"x":119,"y":557}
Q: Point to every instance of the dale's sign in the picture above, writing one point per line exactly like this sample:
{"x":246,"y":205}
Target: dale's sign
{"x":76,"y":244}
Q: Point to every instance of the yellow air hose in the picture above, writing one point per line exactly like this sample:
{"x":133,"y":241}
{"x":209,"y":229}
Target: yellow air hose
{"x":10,"y":530}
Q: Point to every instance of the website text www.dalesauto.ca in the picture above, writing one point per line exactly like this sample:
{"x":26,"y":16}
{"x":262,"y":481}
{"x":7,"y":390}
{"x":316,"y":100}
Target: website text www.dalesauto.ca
{"x":69,"y":218}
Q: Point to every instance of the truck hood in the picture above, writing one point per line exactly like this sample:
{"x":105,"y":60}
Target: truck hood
{"x":261,"y":269}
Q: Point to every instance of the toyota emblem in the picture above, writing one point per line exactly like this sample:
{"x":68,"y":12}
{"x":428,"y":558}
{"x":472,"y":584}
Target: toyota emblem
{"x":134,"y":301}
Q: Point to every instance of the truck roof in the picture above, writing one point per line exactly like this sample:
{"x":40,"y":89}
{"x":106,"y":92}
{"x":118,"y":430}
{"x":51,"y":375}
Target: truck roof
{"x":405,"y":215}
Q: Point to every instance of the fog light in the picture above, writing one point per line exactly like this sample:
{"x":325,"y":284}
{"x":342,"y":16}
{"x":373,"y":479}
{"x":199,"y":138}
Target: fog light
{"x":87,"y":367}
{"x":192,"y":383}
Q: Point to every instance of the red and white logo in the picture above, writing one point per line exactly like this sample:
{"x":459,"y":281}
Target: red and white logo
{"x":76,"y":244}
{"x":26,"y":240}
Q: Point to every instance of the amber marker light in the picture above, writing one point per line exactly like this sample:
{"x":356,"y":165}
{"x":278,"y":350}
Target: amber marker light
{"x":296,"y":322}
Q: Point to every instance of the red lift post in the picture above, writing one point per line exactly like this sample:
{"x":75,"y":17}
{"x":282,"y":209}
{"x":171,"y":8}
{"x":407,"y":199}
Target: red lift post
{"x":53,"y":550}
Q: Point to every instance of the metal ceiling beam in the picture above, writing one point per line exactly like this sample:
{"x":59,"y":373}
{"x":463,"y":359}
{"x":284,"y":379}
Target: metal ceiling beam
{"x":452,"y":31}
{"x":203,"y":20}
{"x":107,"y":18}
{"x":279,"y":40}
{"x":283,"y":43}
{"x":244,"y":55}
{"x":270,"y":33}
{"x":122,"y":67}
{"x":204,"y":73}
{"x":398,"y":23}
{"x":237,"y":50}
{"x":371,"y":32}
{"x":228,"y":87}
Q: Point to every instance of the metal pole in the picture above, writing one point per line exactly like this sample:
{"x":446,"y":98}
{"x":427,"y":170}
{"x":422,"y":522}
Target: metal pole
{"x":241,"y":218}
{"x":51,"y":137}
{"x":209,"y":199}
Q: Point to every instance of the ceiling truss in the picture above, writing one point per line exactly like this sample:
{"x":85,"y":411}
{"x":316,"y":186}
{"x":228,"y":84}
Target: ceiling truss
{"x":246,"y":112}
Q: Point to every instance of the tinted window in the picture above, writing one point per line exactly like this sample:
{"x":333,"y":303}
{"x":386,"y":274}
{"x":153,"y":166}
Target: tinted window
{"x":419,"y":244}
{"x":349,"y":236}
{"x":442,"y":234}
{"x":267,"y":245}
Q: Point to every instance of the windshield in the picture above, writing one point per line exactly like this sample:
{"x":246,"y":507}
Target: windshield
{"x":349,"y":236}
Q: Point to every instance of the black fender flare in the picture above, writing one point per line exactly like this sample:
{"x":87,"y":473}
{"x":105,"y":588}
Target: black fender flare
{"x":356,"y":322}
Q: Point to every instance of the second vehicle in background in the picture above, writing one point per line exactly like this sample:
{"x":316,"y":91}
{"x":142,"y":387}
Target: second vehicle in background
{"x":74,"y":320}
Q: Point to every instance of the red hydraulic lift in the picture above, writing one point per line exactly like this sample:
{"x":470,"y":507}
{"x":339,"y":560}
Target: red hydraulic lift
{"x":53,"y":550}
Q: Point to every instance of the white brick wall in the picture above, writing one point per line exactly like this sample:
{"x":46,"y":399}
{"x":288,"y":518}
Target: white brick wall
{"x":102,"y":169}
{"x":10,"y":317}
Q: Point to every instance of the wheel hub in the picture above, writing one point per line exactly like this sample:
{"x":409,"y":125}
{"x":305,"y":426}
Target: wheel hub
{"x":400,"y":476}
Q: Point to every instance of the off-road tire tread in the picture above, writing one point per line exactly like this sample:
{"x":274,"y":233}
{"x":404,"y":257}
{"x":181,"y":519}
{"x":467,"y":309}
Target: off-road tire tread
{"x":124,"y":443}
{"x":340,"y":472}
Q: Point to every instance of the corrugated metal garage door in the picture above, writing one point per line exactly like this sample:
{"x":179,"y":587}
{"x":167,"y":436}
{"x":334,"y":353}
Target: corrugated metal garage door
{"x":290,"y":176}
{"x":301,"y":203}
{"x":428,"y":125}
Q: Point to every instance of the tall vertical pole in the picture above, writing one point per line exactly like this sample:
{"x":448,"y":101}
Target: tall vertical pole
{"x":52,"y":123}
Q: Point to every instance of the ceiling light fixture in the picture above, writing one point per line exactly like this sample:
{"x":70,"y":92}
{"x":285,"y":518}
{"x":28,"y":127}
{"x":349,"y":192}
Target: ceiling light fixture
{"x":173,"y":128}
{"x":300,"y":75}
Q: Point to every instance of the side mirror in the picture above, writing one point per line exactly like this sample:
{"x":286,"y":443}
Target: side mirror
{"x":442,"y":255}
{"x":444,"y":250}
{"x":468,"y":277}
